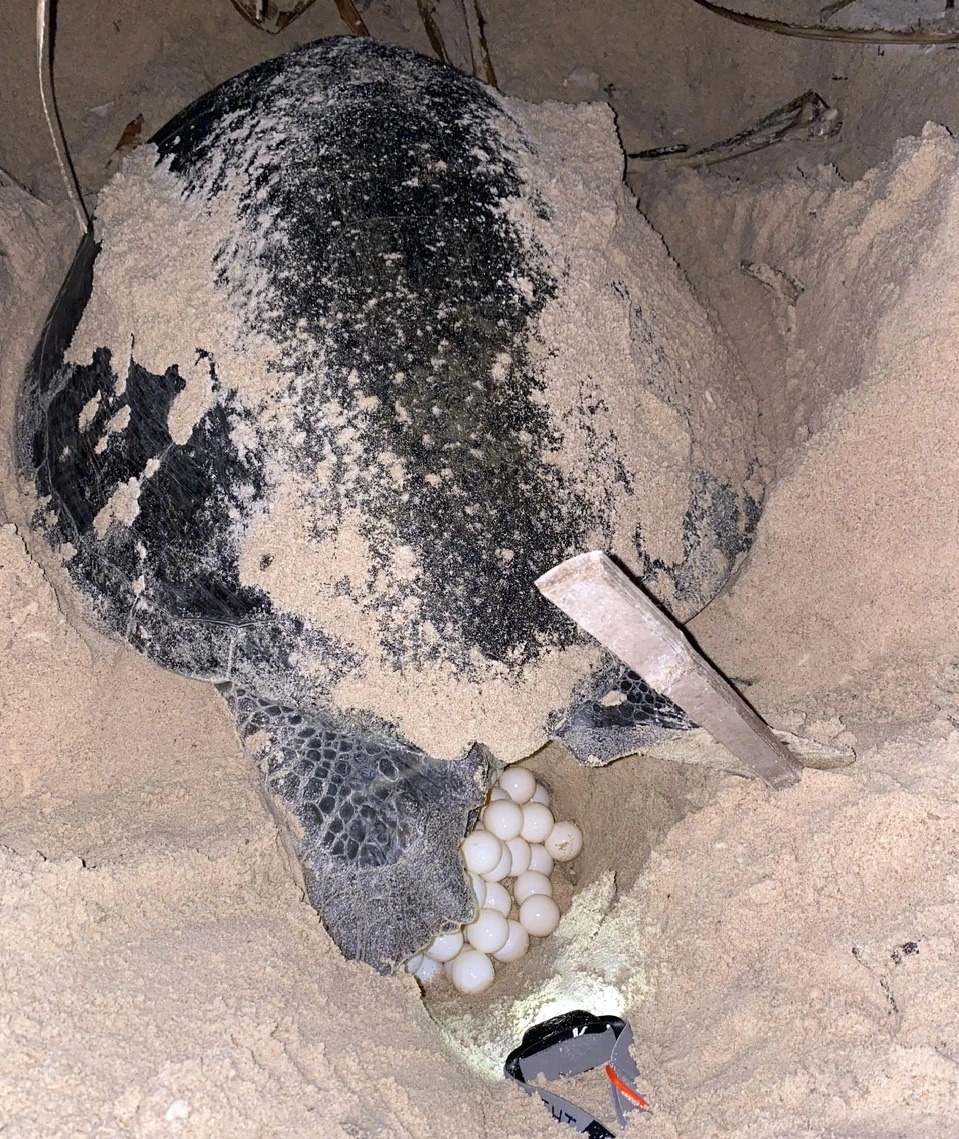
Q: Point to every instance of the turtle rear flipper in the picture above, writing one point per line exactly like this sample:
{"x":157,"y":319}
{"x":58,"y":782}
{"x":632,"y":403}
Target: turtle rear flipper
{"x":615,"y":714}
{"x":375,"y":826}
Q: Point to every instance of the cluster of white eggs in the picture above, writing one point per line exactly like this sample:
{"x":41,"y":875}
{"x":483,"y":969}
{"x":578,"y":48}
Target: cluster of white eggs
{"x":509,"y":856}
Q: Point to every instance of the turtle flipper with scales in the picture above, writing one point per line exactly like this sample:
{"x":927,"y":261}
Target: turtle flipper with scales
{"x":375,"y":826}
{"x":325,"y":475}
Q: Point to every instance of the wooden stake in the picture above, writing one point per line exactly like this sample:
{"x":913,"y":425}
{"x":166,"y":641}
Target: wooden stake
{"x":601,"y":599}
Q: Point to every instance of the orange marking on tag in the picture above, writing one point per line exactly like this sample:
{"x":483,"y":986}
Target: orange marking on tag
{"x":623,"y":1088}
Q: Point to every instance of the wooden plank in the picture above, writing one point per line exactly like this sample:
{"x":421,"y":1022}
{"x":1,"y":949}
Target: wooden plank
{"x":601,"y":599}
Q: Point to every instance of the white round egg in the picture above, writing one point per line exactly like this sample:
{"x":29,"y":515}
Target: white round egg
{"x":538,"y":822}
{"x":478,"y":886}
{"x":540,"y":795}
{"x":428,"y":970}
{"x":564,"y":842}
{"x":445,"y":946}
{"x":517,"y":944}
{"x":489,"y":932}
{"x":497,"y":898}
{"x":532,"y":882}
{"x":413,"y":963}
{"x":518,"y":783}
{"x":481,"y":851}
{"x":504,"y":818}
{"x":539,"y":915}
{"x":497,"y":793}
{"x":519,"y":852}
{"x":472,"y":971}
{"x":503,"y":868}
{"x":540,"y":859}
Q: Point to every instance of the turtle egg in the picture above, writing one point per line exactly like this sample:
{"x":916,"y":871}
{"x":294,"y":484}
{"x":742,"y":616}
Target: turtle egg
{"x":540,"y":795}
{"x":504,"y":819}
{"x":539,"y":915}
{"x":427,"y":970}
{"x":517,"y":944}
{"x":519,"y":852}
{"x":497,"y":898}
{"x":478,"y":886}
{"x":472,"y":971}
{"x":564,"y":842}
{"x":482,"y":851}
{"x":414,"y":962}
{"x":532,"y":882}
{"x":518,"y":783}
{"x":497,"y":793}
{"x":445,"y":946}
{"x":538,"y":822}
{"x":540,"y":859}
{"x":502,"y":868}
{"x":489,"y":932}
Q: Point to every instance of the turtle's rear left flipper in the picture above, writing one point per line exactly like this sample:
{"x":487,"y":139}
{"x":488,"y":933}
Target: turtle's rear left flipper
{"x":375,"y":826}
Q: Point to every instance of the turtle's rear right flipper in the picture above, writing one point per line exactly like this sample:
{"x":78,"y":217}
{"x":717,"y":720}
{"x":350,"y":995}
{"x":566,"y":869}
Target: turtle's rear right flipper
{"x":375,"y":826}
{"x":616,"y":713}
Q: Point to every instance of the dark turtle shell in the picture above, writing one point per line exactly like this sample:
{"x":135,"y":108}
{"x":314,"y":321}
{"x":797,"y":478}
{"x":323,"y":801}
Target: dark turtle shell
{"x":373,"y":244}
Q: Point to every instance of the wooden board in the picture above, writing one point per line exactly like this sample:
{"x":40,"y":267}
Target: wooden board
{"x":601,"y":599}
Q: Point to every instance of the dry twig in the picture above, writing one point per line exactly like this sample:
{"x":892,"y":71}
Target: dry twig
{"x":48,"y":101}
{"x":808,"y":116}
{"x":476,"y":31}
{"x":850,"y":35}
{"x":351,"y":17}
{"x":426,"y":10}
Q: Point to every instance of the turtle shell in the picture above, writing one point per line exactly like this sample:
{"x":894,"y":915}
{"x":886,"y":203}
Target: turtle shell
{"x":359,"y":350}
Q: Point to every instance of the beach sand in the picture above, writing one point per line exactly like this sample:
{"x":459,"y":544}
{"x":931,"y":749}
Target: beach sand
{"x":786,"y":961}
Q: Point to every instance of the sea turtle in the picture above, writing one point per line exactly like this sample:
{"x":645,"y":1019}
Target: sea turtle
{"x":361,"y":348}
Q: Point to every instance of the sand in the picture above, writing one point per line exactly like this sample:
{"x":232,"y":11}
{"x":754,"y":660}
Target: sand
{"x":786,"y":961}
